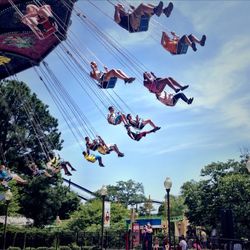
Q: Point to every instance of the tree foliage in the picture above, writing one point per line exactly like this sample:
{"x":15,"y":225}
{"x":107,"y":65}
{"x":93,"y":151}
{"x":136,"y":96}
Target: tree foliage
{"x":177,"y":206}
{"x":44,"y":199}
{"x":126,"y":192}
{"x":89,"y":216}
{"x":14,"y":205}
{"x":28,"y":132}
{"x":226,"y":185}
{"x":26,"y":124}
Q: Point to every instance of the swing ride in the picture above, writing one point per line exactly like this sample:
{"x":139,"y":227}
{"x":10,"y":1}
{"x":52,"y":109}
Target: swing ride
{"x":30,"y":30}
{"x":22,"y":45}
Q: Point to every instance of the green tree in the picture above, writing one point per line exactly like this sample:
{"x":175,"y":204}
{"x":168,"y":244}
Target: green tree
{"x":44,"y":199}
{"x":27,"y":128}
{"x":126,"y":192}
{"x":147,"y":207}
{"x":28,"y":132}
{"x":177,"y":206}
{"x":88,"y":217}
{"x":226,"y":186}
{"x":14,"y":205}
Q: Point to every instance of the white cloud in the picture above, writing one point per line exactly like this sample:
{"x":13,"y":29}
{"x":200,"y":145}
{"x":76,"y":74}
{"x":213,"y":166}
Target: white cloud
{"x":207,"y":16}
{"x":189,"y":146}
{"x":221,"y":80}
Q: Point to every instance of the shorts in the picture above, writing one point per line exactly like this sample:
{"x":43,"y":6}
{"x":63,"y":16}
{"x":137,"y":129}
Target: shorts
{"x":118,"y":119}
{"x":139,"y":136}
{"x":182,"y":43}
{"x":9,"y":178}
{"x":125,"y":23}
{"x":101,"y":80}
{"x":141,"y":125}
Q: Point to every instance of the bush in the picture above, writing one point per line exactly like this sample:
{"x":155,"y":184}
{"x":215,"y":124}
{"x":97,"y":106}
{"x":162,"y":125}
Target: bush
{"x":64,"y":248}
{"x":42,"y":248}
{"x":14,"y":248}
{"x":75,"y":248}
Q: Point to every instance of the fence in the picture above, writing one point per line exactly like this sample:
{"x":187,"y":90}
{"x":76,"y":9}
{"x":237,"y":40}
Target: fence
{"x":84,"y":240}
{"x":112,"y":240}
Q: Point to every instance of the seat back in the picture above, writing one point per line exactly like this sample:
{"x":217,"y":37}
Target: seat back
{"x":184,"y":49}
{"x":144,"y":23}
{"x":50,"y":29}
{"x":109,"y":84}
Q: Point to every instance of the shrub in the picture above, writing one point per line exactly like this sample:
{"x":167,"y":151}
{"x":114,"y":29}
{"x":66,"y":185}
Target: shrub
{"x":42,"y":248}
{"x":75,"y":248}
{"x":64,"y":248}
{"x":14,"y":248}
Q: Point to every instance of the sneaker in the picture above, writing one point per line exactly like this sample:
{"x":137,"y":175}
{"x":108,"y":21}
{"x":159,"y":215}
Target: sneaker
{"x":158,"y":9}
{"x":120,"y":155}
{"x":68,"y":173}
{"x":101,"y":165}
{"x":131,"y":79}
{"x":167,"y":11}
{"x":190,"y":100}
{"x":156,"y":128}
{"x":203,"y":40}
{"x":126,"y":80}
{"x":184,"y":87}
{"x":177,"y":90}
{"x":73,"y":169}
{"x":132,"y":7}
{"x":193,"y":46}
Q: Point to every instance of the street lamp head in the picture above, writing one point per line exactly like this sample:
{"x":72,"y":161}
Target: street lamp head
{"x":168,"y":183}
{"x":8,"y":195}
{"x":103,"y":190}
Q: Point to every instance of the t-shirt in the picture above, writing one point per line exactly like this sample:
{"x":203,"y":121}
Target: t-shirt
{"x":112,"y":118}
{"x":170,"y":45}
{"x":3,"y":174}
{"x":183,"y":245}
{"x":103,"y":150}
{"x":166,"y":98}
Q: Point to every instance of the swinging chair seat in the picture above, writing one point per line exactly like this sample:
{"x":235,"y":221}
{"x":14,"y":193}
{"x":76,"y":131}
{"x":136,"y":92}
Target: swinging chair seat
{"x":48,"y":27}
{"x":182,"y":48}
{"x":108,"y":84}
{"x":154,"y":86}
{"x":144,"y":23}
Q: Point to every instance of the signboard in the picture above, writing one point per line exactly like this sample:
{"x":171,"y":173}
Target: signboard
{"x":136,"y":234}
{"x":107,"y":214}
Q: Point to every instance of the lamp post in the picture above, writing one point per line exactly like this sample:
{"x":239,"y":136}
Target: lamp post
{"x":8,"y":196}
{"x":168,"y":185}
{"x":103,"y":192}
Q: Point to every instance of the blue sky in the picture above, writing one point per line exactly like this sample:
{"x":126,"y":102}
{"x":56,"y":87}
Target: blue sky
{"x":213,"y":128}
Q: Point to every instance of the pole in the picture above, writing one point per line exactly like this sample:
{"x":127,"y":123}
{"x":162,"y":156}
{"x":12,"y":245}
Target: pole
{"x":169,"y":235}
{"x":103,"y":204}
{"x":5,"y":224}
